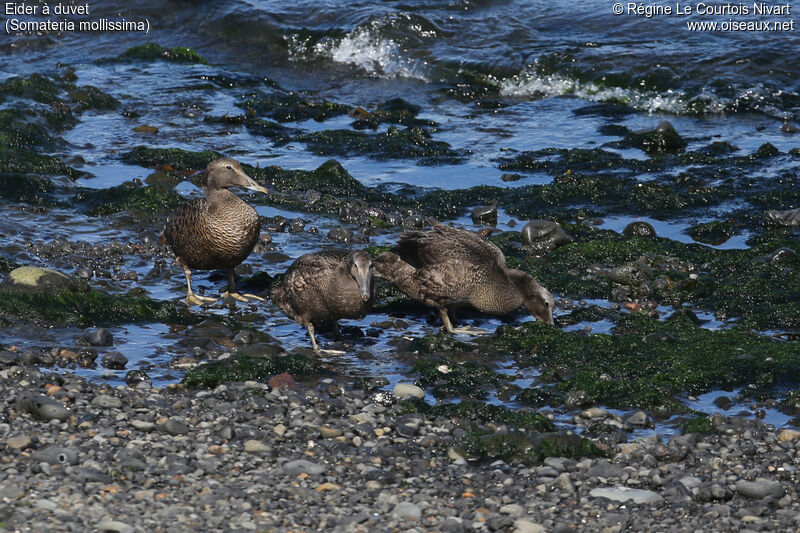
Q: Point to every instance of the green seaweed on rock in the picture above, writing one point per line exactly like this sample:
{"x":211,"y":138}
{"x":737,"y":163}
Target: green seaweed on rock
{"x":156,"y":52}
{"x":628,"y":369}
{"x":87,"y":307}
{"x":246,"y":368}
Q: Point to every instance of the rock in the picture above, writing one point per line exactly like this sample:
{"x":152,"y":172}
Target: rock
{"x":36,"y":280}
{"x":41,"y":407}
{"x":639,"y":228}
{"x":781,"y":218}
{"x":625,"y":494}
{"x":526,"y":526}
{"x":632,"y":274}
{"x":114,"y":361}
{"x":544,"y":236}
{"x":300,"y":466}
{"x":760,"y":489}
{"x":340,"y":235}
{"x":135,"y":377}
{"x":787,"y":435}
{"x":256,"y":446}
{"x":512,"y":509}
{"x":99,"y":337}
{"x":19,"y":443}
{"x":330,"y":433}
{"x":404,"y":391}
{"x":606,"y":470}
{"x":639,"y":418}
{"x":662,"y":140}
{"x":282,"y":381}
{"x":174,"y":425}
{"x":56,"y":455}
{"x":594,"y":412}
{"x":407,"y":511}
{"x":783,"y":255}
{"x":107,"y":401}
{"x":485,"y":215}
{"x":114,"y":526}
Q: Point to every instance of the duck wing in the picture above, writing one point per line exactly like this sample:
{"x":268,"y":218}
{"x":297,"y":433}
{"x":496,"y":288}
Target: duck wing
{"x":444,"y":243}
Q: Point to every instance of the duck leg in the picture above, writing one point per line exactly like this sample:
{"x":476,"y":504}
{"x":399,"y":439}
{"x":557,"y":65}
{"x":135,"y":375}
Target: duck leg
{"x":310,"y":328}
{"x":191,"y":297}
{"x":231,"y":292}
{"x":465,"y":330}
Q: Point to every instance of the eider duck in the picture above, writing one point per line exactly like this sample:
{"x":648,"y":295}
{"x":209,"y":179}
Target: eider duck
{"x":446,"y":268}
{"x":215,"y":232}
{"x":322,"y":287}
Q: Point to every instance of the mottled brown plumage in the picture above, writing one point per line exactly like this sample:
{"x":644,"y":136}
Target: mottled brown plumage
{"x":320,"y":288}
{"x":215,"y":232}
{"x":446,"y":268}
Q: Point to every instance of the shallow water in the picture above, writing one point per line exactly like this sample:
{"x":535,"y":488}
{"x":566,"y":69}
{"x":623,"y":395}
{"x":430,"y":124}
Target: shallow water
{"x":544,"y":66}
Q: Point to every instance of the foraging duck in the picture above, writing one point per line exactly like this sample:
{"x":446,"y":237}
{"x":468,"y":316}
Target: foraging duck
{"x":446,"y":267}
{"x":215,"y":232}
{"x":322,"y":287}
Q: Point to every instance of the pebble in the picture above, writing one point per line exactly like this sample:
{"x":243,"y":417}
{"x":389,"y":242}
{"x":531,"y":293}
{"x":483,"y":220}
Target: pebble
{"x":41,"y":407}
{"x":107,"y":402}
{"x":625,"y":494}
{"x":407,"y":511}
{"x":256,"y":446}
{"x":302,"y":466}
{"x":526,"y":526}
{"x":760,"y":489}
{"x":115,"y":527}
{"x":114,"y":361}
{"x":19,"y":443}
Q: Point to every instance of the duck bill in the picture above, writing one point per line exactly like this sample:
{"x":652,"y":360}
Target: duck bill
{"x":253,"y":186}
{"x":365,"y":288}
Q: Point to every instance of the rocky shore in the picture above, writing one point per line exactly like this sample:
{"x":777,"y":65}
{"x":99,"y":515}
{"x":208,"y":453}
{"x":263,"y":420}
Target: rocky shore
{"x":281,"y":456}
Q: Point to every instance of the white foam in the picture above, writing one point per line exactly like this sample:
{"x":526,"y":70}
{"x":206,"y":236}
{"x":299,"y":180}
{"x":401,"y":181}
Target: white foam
{"x":530,"y":83}
{"x":364,"y":47}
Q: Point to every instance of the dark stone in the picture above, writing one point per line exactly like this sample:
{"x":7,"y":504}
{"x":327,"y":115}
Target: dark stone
{"x":340,"y":235}
{"x":485,"y":214}
{"x":544,"y":235}
{"x":114,"y":361}
{"x":134,"y":377}
{"x":99,"y":337}
{"x":639,"y":228}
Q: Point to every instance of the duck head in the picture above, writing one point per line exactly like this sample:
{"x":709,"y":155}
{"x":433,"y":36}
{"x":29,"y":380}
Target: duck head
{"x":359,"y":266}
{"x":227,"y":172}
{"x":536,"y":299}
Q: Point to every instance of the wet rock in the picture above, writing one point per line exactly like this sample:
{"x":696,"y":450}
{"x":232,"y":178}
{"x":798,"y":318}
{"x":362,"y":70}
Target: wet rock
{"x":544,"y":236}
{"x":19,"y":443}
{"x":41,"y":407}
{"x":485,"y":214}
{"x":664,"y":139}
{"x":114,"y":361}
{"x":256,"y":446}
{"x":760,"y":489}
{"x":99,"y":337}
{"x":135,"y":377}
{"x":632,"y":274}
{"x":511,"y":177}
{"x":783,"y":218}
{"x":626,"y":494}
{"x":783,"y":255}
{"x":715,"y":233}
{"x":414,"y":221}
{"x":639,"y":228}
{"x":36,"y":280}
{"x":340,"y":235}
{"x":174,"y":425}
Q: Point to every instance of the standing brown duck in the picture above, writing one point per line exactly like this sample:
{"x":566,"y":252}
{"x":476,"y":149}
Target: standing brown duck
{"x":446,"y":268}
{"x":320,"y":288}
{"x":215,"y":232}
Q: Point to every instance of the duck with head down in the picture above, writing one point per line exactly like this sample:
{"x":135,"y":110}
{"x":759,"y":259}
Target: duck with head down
{"x":323,"y":287}
{"x":446,"y":268}
{"x":217,"y":231}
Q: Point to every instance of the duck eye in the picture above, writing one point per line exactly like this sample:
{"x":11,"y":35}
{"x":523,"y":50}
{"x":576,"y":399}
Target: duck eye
{"x":229,"y":167}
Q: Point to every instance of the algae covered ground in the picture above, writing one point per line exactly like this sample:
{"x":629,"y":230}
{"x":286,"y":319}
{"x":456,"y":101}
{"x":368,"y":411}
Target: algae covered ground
{"x":679,"y":275}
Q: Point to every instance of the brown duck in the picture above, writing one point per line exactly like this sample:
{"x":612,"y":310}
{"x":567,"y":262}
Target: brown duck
{"x":320,"y":288}
{"x":215,"y":232}
{"x":447,"y":268}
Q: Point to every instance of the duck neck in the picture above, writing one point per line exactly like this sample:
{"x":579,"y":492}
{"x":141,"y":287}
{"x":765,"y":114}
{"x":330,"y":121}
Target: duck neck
{"x":501,"y":297}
